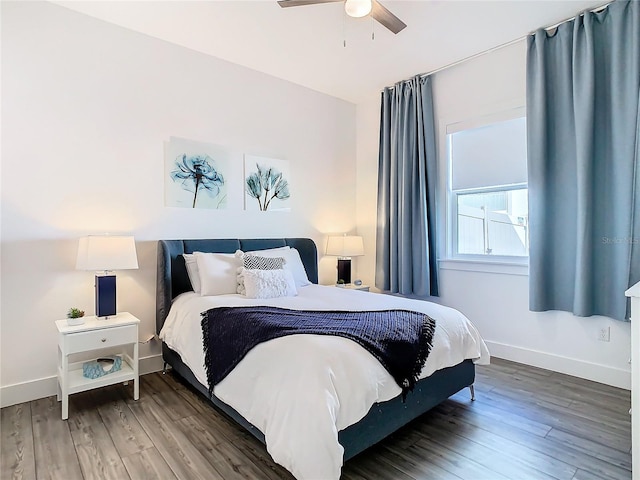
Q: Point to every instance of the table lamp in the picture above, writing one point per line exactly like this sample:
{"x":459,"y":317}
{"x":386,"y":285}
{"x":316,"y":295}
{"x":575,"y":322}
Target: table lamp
{"x":105,"y":253}
{"x":345,"y":247}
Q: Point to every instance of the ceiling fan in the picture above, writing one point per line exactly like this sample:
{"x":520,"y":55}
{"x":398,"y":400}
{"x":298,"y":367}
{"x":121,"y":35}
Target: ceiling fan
{"x":357,"y":8}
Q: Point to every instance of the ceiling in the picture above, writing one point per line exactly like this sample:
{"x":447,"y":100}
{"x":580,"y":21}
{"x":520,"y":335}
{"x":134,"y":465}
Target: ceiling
{"x":305,"y":45}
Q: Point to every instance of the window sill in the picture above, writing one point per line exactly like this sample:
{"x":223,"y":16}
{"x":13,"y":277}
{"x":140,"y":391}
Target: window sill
{"x":504,"y":268}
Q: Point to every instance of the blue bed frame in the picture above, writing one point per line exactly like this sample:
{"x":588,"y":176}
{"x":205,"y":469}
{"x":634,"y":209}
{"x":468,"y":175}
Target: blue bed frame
{"x":383,"y":418}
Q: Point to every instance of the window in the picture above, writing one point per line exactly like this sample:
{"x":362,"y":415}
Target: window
{"x":493,"y":223}
{"x":488,"y":188}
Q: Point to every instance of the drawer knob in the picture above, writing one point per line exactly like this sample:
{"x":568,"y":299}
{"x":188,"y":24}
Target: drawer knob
{"x":103,"y":340}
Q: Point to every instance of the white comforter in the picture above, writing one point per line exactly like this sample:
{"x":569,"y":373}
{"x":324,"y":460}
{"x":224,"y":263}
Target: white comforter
{"x":301,"y":390}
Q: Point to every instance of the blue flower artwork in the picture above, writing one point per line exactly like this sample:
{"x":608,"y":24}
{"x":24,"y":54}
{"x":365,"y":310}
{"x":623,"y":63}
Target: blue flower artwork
{"x":267,"y":184}
{"x":196,"y":175}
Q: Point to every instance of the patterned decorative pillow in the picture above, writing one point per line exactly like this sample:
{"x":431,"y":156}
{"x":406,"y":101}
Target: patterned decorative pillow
{"x":293,"y":262}
{"x":254,"y":262}
{"x":251,"y":261}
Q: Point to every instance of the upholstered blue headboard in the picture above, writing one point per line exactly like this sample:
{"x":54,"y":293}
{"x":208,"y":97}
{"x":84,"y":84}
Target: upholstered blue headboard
{"x":172,"y":277}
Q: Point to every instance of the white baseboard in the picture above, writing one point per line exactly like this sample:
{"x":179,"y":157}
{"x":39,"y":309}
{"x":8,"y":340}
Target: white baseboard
{"x":45,"y":387}
{"x":577,"y":368}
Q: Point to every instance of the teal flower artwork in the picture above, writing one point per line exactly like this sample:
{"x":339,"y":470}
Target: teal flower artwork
{"x":197,"y":174}
{"x":265,"y":185}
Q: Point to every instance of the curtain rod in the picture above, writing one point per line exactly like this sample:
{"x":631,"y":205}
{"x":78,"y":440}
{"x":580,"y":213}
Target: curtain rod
{"x":511,"y":42}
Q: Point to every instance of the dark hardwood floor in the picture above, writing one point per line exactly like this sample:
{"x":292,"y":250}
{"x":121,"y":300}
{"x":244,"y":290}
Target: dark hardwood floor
{"x":526,"y":423}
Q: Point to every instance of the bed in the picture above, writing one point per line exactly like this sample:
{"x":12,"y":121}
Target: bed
{"x":374,"y":421}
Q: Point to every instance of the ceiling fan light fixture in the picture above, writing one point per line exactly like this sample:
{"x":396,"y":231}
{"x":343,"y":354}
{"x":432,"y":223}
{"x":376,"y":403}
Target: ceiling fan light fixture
{"x":357,"y":8}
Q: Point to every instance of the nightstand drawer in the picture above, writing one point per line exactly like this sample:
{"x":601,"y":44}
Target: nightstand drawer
{"x":103,"y":338}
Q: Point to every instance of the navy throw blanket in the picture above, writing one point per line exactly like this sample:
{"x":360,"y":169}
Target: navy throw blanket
{"x":400,"y":339}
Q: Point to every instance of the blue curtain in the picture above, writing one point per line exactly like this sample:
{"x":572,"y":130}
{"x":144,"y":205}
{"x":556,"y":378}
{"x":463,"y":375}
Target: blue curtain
{"x":406,"y":260}
{"x":583,"y":120}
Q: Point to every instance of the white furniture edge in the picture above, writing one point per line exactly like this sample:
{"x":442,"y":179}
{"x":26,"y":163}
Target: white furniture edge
{"x":95,"y":323}
{"x":634,"y":294}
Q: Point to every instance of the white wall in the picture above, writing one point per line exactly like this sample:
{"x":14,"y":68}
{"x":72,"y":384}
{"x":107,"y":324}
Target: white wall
{"x":368,"y":133}
{"x":86,"y":107}
{"x":496,"y":302}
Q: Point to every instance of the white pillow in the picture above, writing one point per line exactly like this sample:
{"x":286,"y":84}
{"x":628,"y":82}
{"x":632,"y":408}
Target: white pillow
{"x":269,"y":283}
{"x":218,"y":273}
{"x":192,"y":271}
{"x":293,"y":262}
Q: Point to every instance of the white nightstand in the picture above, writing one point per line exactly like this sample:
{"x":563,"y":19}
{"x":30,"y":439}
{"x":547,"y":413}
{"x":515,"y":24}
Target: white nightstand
{"x":351,"y":286}
{"x":95,"y":334}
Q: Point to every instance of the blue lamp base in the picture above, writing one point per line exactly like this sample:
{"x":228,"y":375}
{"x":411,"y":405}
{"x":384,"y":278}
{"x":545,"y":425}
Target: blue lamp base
{"x":105,"y":295}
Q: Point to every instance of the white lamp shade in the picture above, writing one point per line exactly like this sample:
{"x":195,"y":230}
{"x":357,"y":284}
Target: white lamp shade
{"x":107,"y":252}
{"x":357,"y":8}
{"x":345,"y":246}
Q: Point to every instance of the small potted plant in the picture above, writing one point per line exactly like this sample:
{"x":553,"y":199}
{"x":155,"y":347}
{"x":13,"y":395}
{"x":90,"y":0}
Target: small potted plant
{"x":75,"y":316}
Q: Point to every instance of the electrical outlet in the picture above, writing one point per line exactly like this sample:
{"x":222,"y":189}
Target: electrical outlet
{"x":604,"y":334}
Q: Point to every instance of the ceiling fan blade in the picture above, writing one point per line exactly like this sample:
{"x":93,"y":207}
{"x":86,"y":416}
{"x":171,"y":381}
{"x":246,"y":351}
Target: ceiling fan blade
{"x":299,"y":3}
{"x":386,"y":18}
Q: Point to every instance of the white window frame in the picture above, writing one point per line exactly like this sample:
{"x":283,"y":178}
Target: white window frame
{"x":477,"y":262}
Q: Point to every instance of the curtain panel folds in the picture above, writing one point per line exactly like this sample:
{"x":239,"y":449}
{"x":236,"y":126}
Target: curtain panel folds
{"x":583,"y":120}
{"x":406,"y":260}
